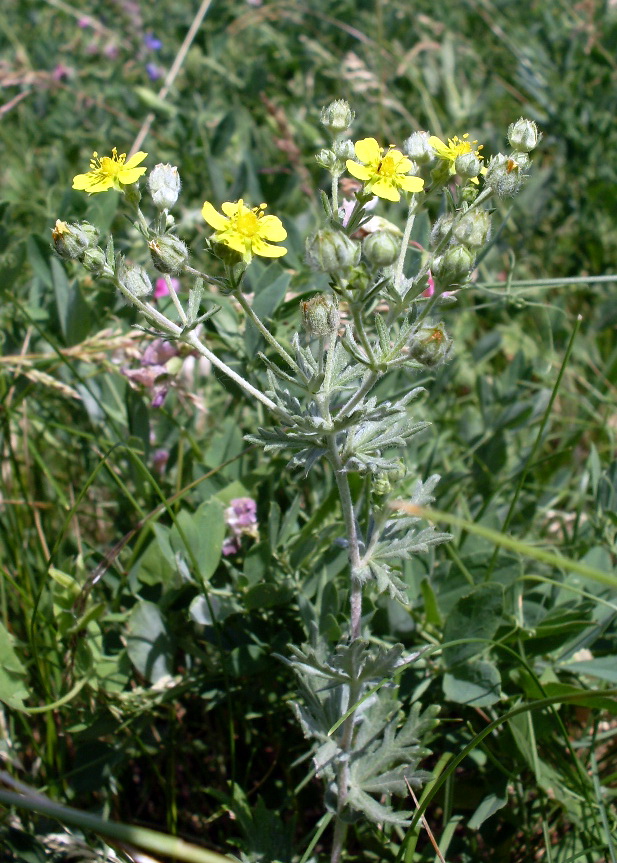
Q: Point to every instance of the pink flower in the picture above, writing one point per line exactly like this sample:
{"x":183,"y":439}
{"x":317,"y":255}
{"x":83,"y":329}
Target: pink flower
{"x":161,"y":289}
{"x":431,"y":286}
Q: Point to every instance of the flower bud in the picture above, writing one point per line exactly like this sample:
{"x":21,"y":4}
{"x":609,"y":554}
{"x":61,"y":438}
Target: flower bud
{"x":505,"y":175}
{"x":523,"y":135}
{"x":331,"y":251}
{"x":94,"y":261}
{"x":327,"y":159}
{"x":133,"y":279}
{"x":473,"y":229}
{"x":454,"y":266}
{"x":381,"y":248}
{"x":320,"y":315}
{"x":380,"y":484}
{"x":337,"y":117}
{"x":70,"y":240}
{"x":169,"y":254}
{"x":467,"y":165}
{"x":164,"y":185}
{"x":431,"y":345}
{"x":441,"y":229}
{"x":418,"y":148}
{"x":344,"y":149}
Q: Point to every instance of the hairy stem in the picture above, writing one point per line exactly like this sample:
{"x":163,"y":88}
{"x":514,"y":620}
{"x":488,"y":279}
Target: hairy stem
{"x":265,"y":332}
{"x":411,"y":216}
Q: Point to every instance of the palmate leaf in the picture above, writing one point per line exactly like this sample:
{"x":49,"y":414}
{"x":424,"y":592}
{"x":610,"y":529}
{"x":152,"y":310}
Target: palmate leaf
{"x":386,"y":757}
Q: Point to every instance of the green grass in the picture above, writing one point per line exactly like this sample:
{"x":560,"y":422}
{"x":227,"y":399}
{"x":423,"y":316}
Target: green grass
{"x":101,"y":554}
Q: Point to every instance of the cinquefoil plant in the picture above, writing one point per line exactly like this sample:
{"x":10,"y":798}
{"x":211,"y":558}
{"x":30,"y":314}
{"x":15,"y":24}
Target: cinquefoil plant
{"x":374,"y":320}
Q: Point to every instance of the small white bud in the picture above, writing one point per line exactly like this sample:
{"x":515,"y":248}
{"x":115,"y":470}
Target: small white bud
{"x":164,"y":184}
{"x":337,"y":117}
{"x":523,"y":135}
{"x":418,"y":148}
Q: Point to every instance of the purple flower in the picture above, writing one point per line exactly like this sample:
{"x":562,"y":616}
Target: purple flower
{"x":151,"y":42}
{"x":158,"y":353}
{"x":154,"y":72}
{"x":241,"y":515}
{"x":153,"y":373}
{"x":231,"y":545}
{"x":160,"y":457}
{"x":241,"y":518}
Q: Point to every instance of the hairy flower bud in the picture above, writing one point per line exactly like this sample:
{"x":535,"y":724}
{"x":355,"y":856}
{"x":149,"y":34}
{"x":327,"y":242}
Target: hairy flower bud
{"x":320,"y":315}
{"x":380,"y":484}
{"x":164,"y":184}
{"x":473,"y":229}
{"x":454,"y":266}
{"x":418,"y":148}
{"x":94,"y":260}
{"x":505,"y":175}
{"x":328,"y":160}
{"x":467,"y":165}
{"x":331,"y":251}
{"x":431,"y":345}
{"x":441,"y":229}
{"x":71,"y":240}
{"x":337,"y":117}
{"x":344,"y":149}
{"x":523,"y":135}
{"x":133,"y":279}
{"x":169,"y":254}
{"x":381,"y":248}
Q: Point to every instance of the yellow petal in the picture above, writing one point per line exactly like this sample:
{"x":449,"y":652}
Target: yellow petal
{"x":437,"y":144}
{"x":265,"y":250}
{"x":271,"y":228}
{"x":213,"y":218}
{"x":384,"y":189}
{"x":411,"y":184}
{"x":361,"y":172}
{"x":367,"y":150}
{"x":130,"y":175}
{"x":232,"y":209}
{"x":135,"y":159}
{"x":402,"y":163}
{"x":236,"y":242}
{"x":82,"y":181}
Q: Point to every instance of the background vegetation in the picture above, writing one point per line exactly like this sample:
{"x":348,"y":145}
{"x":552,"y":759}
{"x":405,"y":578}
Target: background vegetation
{"x":106,"y":547}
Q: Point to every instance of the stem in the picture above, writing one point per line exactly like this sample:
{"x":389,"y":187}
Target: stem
{"x":278,"y":347}
{"x":335,"y":178}
{"x":411,"y":216}
{"x":361,"y":332}
{"x":175,"y":300}
{"x":191,"y":339}
{"x":367,"y":384}
{"x":351,"y":527}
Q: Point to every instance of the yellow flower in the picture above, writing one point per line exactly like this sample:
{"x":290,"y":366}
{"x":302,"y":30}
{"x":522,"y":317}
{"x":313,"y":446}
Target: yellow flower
{"x":110,"y":172}
{"x":454,"y":148}
{"x":246,"y":230}
{"x":383,"y":172}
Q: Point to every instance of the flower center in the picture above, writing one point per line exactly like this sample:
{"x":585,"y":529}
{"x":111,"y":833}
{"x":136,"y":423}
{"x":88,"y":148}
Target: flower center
{"x":108,"y":166}
{"x":386,"y":167}
{"x":246,"y":222}
{"x":458,"y":146}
